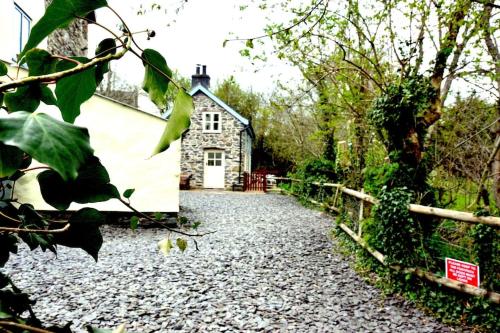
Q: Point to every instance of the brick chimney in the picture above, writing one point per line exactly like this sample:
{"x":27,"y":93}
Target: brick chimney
{"x":200,"y":77}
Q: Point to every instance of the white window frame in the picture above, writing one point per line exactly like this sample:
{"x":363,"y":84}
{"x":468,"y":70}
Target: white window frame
{"x":24,"y":23}
{"x":211,"y":122}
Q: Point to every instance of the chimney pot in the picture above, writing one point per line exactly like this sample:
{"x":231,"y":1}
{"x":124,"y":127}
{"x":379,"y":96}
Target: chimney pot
{"x":204,"y":69}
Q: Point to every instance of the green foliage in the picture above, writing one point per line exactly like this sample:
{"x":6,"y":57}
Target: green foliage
{"x":156,"y":77}
{"x":378,"y":177}
{"x":134,"y":222}
{"x":83,"y":232}
{"x":318,"y":169}
{"x":62,"y":146}
{"x":11,"y":159}
{"x":73,"y":90}
{"x":178,"y":123}
{"x":450,"y":306}
{"x":59,"y":14}
{"x":487,"y":251}
{"x":397,"y":113}
{"x":3,"y":69}
{"x":28,"y":98}
{"x":91,"y":185}
{"x":394,"y":230}
{"x":128,"y":193}
{"x":73,"y":173}
{"x":181,"y":244}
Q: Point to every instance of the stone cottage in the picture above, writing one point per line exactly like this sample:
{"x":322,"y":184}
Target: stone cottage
{"x":217,"y":149}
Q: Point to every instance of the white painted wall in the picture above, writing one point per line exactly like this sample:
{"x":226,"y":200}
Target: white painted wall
{"x":9,"y":23}
{"x":123,"y":138}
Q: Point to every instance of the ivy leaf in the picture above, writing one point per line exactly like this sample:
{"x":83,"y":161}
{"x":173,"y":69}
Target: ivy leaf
{"x":249,"y":43}
{"x":128,"y":193}
{"x":91,"y":185}
{"x":165,"y":246}
{"x":181,"y":244}
{"x":178,"y":122}
{"x":134,"y":222}
{"x":155,"y":83}
{"x":73,"y":90}
{"x":83,"y":232}
{"x":105,"y":47}
{"x":25,"y":98}
{"x":62,"y":146}
{"x":8,"y":245}
{"x":32,"y":220}
{"x":59,"y":14}
{"x":40,"y":62}
{"x":3,"y":69}
{"x":11,"y":159}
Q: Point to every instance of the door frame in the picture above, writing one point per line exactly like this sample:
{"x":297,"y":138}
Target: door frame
{"x":221,"y":182}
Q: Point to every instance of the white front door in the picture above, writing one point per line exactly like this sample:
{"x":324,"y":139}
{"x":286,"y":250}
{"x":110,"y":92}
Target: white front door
{"x":213,"y":175}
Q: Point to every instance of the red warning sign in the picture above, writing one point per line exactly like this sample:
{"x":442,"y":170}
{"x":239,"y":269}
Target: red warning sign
{"x":462,"y":271}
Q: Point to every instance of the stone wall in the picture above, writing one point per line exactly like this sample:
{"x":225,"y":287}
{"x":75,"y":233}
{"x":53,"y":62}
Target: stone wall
{"x":195,"y":142}
{"x":71,"y":41}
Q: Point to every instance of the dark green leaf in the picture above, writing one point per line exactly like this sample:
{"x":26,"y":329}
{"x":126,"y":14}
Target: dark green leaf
{"x":47,"y":96}
{"x":158,"y":216}
{"x":30,"y":219}
{"x":64,"y":147}
{"x":105,"y":47}
{"x":11,"y":159}
{"x":181,"y":244}
{"x":25,"y":98}
{"x":91,"y":185}
{"x":134,"y":222}
{"x":128,"y":192}
{"x":8,"y":245}
{"x":178,"y":122}
{"x":72,"y":91}
{"x":3,"y":69}
{"x":4,"y":280}
{"x":40,"y":62}
{"x":83,"y":232}
{"x":59,"y":14}
{"x":155,"y":77}
{"x":249,"y":43}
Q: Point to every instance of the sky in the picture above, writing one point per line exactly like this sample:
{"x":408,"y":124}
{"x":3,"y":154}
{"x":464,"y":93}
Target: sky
{"x":195,"y":35}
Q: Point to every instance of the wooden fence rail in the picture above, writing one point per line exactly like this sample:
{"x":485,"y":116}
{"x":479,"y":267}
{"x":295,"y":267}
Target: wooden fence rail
{"x":460,"y":216}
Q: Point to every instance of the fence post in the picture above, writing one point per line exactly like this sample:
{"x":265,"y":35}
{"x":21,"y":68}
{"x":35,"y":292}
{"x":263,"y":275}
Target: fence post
{"x":361,"y":209}
{"x":336,"y":196}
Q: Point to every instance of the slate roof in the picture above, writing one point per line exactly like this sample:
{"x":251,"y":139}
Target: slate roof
{"x":218,"y":101}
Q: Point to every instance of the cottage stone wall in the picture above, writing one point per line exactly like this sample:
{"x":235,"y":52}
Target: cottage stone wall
{"x":71,"y":41}
{"x":195,"y":142}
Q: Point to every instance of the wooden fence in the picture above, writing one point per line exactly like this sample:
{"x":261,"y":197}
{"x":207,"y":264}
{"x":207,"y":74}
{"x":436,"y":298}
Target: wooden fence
{"x":255,"y":181}
{"x":363,"y":198}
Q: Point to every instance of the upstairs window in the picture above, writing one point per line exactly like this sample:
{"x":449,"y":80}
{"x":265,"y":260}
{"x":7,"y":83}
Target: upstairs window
{"x":23,"y":26}
{"x":211,"y":122}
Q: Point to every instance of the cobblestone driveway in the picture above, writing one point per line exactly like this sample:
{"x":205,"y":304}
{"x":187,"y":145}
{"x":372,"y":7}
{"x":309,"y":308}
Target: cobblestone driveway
{"x":269,"y":267}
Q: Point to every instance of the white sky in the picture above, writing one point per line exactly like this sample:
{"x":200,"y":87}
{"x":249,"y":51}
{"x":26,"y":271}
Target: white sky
{"x":196,"y":36}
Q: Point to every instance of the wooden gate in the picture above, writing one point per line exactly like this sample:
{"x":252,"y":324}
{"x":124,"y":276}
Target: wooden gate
{"x":255,"y":181}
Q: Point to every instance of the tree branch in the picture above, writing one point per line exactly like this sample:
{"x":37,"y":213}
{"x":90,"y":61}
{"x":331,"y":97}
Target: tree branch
{"x":38,"y":231}
{"x":23,"y":327}
{"x":60,"y":75}
{"x":129,"y":206}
